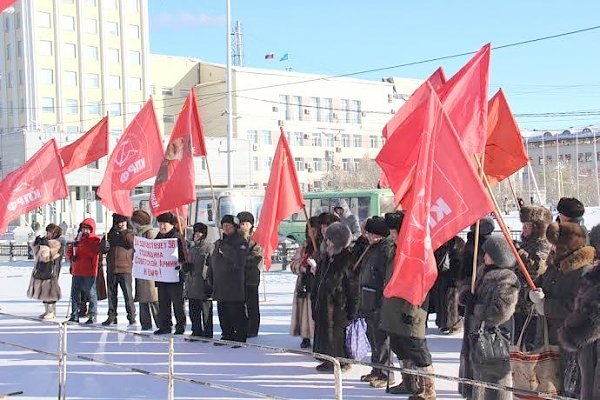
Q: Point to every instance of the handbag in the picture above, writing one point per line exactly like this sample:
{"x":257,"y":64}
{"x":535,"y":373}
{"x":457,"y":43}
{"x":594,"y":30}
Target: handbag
{"x":357,"y":344}
{"x":488,"y":346}
{"x":538,"y":370}
{"x":43,"y":270}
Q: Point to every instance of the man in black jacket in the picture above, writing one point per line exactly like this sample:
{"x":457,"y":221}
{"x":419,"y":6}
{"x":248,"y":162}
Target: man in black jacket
{"x":170,"y":293}
{"x":253,"y":267}
{"x":228,"y":263}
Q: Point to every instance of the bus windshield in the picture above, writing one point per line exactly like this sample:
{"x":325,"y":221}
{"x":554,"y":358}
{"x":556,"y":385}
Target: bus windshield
{"x":237,"y":203}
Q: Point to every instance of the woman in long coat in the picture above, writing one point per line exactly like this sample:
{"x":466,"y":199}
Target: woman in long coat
{"x":48,"y":252}
{"x":333,"y":299}
{"x":302,"y":323}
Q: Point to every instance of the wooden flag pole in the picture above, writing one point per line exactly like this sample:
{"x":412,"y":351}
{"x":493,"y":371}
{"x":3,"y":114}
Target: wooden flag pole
{"x":507,"y":233}
{"x":186,"y":256}
{"x":476,"y":243}
{"x":311,"y":234}
{"x":512,"y":189}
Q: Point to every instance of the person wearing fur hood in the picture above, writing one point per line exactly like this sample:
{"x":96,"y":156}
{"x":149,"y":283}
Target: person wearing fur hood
{"x":493,"y":304}
{"x":48,"y":252}
{"x":333,"y":299}
{"x":533,"y":250}
{"x":581,"y":330}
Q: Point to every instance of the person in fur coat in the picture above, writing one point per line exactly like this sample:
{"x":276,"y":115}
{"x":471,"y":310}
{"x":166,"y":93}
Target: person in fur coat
{"x":48,"y":252}
{"x":581,"y":331}
{"x":493,"y":304}
{"x":333,"y":302}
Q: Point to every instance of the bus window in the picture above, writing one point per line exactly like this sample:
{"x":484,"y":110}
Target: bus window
{"x":386,"y":204}
{"x":233,"y":205}
{"x":204,"y":212}
{"x":363,"y":208}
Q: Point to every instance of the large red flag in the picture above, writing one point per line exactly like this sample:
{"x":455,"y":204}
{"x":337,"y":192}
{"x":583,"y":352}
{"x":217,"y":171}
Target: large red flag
{"x":465,"y":100}
{"x":174,"y":186}
{"x":37,"y":182}
{"x":136,"y":157}
{"x":505,"y":152}
{"x":283,"y":197}
{"x":4,"y":4}
{"x":197,"y":131}
{"x":436,"y":80}
{"x":88,"y":148}
{"x":446,"y":196}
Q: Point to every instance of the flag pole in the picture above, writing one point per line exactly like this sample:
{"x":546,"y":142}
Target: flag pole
{"x":506,"y":233}
{"x":476,"y":243}
{"x":311,"y":234}
{"x":214,"y":197}
{"x":512,"y":189}
{"x":186,"y":256}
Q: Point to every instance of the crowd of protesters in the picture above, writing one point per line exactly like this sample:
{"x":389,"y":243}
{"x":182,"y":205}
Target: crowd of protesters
{"x":342,"y":270}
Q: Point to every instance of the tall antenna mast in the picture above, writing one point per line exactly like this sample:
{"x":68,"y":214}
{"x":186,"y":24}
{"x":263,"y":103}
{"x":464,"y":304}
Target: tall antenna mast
{"x":237,"y":46}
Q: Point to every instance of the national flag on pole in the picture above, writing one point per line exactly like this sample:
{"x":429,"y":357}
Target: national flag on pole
{"x":465,"y":96}
{"x":505,"y":152}
{"x":283,"y":197}
{"x":136,"y":157}
{"x":4,"y":4}
{"x":284,"y":57}
{"x":174,"y":185}
{"x":37,"y":182}
{"x":446,"y":195}
{"x":269,"y":56}
{"x":88,"y":148}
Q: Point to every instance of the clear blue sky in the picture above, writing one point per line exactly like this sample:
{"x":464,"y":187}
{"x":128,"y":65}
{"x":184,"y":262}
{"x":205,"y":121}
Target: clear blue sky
{"x":334,"y":37}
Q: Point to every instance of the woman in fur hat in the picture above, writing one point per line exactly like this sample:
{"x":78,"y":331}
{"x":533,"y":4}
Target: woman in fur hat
{"x":581,"y":330}
{"x":48,"y":252}
{"x":333,"y":302}
{"x":534,"y":251}
{"x":493,"y":304}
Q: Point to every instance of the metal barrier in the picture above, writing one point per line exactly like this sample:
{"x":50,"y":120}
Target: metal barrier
{"x":13,"y":250}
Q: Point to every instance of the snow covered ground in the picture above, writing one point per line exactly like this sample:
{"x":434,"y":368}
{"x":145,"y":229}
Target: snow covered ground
{"x":278,"y":374}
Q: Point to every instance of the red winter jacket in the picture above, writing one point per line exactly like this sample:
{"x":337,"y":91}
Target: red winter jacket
{"x":88,"y":250}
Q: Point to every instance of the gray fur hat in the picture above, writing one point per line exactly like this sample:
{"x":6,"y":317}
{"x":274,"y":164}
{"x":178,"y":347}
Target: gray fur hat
{"x":486,"y":226}
{"x":499,"y":250}
{"x":594,"y":237}
{"x":339,"y":234}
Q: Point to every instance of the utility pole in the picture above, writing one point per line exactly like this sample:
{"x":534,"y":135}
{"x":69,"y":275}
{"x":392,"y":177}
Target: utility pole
{"x":229,"y":102}
{"x":238,"y":45}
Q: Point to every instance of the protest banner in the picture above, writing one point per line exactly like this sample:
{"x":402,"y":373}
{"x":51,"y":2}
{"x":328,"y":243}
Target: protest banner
{"x":155,"y":259}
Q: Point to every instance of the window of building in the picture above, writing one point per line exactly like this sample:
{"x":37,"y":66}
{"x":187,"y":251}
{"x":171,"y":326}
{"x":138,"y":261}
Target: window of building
{"x":115,"y":109}
{"x":135,"y":57}
{"x":135,"y":84}
{"x":540,"y":160}
{"x":20,"y":48}
{"x":318,"y":164}
{"x":588,"y":157}
{"x":266,"y":137}
{"x":48,"y":104}
{"x":326,"y":109}
{"x":133,"y":31}
{"x":8,"y":51}
{"x":343,"y":111}
{"x":21,"y":77}
{"x":114,"y":82}
{"x":68,"y":23}
{"x":167,"y":91}
{"x":44,"y":20}
{"x":71,"y":132}
{"x":316,"y":139}
{"x":298,"y":139}
{"x":294,"y":112}
{"x":70,"y":50}
{"x":91,"y":26}
{"x":135,"y":108}
{"x":92,"y":53}
{"x":133,"y":5}
{"x":356,"y":164}
{"x":71,"y":106}
{"x":355,"y":113}
{"x":328,"y":140}
{"x":90,"y":3}
{"x":255,"y":164}
{"x":9,"y":80}
{"x":114,"y":56}
{"x":252,"y":136}
{"x":168,"y":118}
{"x":111,"y":4}
{"x":112,"y":28}
{"x":345,"y":140}
{"x":94,"y":108}
{"x":313,"y":107}
{"x":47,"y":76}
{"x":46,"y":47}
{"x":283,"y":103}
{"x":17,"y":20}
{"x":357,"y":139}
{"x":580,"y":157}
{"x":184,"y":92}
{"x":346,"y":164}
{"x":93,"y":80}
{"x":299,"y":164}
{"x":70,"y":78}
{"x":22,"y":105}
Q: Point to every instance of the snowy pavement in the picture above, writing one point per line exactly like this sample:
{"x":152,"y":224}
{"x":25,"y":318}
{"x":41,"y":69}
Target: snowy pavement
{"x":252,"y":371}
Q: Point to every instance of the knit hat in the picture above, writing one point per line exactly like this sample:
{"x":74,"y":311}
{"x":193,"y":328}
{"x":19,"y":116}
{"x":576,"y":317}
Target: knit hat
{"x":566,"y":237}
{"x":499,"y":250}
{"x":570,"y":207}
{"x":376,"y":225}
{"x":338,"y":234}
{"x":230,"y":219}
{"x":200,"y":227}
{"x":117,"y":218}
{"x":486,"y":226}
{"x":167,"y":217}
{"x":393,"y":220}
{"x":141,"y":217}
{"x":246,"y":216}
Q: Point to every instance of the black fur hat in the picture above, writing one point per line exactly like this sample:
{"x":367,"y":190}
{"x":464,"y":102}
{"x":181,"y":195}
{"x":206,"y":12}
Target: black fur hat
{"x":394,"y":219}
{"x":486,"y":226}
{"x":499,"y":250}
{"x":246,"y":216}
{"x":570,"y":207}
{"x":230,"y":219}
{"x":338,"y":234}
{"x":118,"y":218}
{"x":200,"y":227}
{"x":377,"y":226}
{"x":167,"y":217}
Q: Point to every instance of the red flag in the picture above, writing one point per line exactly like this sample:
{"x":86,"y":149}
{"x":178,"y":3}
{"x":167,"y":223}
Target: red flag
{"x":174,"y":186}
{"x":505,"y":152}
{"x":4,"y":4}
{"x":283,"y":197}
{"x":136,"y":157}
{"x":37,"y":182}
{"x":465,"y":100}
{"x":88,"y":148}
{"x":197,"y":131}
{"x":438,"y":205}
{"x":436,"y":80}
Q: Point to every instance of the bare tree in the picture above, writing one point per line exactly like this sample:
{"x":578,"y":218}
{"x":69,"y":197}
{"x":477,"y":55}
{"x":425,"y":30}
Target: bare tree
{"x":363,"y":176}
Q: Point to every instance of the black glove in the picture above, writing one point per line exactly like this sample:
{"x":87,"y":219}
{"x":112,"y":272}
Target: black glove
{"x":466,"y":298}
{"x":74,"y":258}
{"x":188,"y":267}
{"x":37,"y":241}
